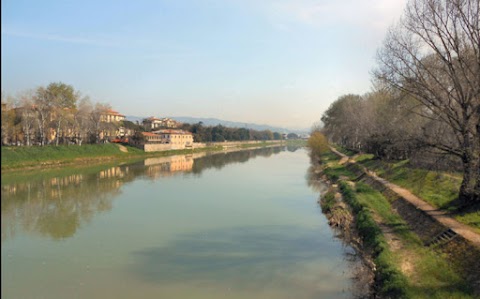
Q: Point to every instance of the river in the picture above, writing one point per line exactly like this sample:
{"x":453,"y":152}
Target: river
{"x":230,"y":225}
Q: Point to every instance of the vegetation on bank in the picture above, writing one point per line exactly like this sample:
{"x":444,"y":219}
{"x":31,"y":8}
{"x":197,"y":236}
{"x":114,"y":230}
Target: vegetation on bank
{"x":390,"y":282}
{"x":406,"y":270}
{"x":219,"y":133}
{"x":424,"y":105}
{"x":438,"y":188}
{"x":19,"y":157}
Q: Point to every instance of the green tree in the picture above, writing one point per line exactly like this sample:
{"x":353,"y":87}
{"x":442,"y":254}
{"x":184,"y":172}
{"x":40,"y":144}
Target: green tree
{"x":292,"y":136}
{"x":63,"y":99}
{"x":318,"y":144}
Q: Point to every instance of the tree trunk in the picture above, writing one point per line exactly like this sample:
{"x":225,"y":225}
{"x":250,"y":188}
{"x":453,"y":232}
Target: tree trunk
{"x":470,"y":187}
{"x":58,"y":133}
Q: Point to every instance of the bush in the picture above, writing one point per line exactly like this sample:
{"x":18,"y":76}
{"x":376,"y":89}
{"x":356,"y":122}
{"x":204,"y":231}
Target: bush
{"x":318,"y":144}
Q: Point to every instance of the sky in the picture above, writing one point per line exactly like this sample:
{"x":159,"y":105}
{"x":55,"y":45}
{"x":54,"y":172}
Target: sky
{"x":280,"y":63}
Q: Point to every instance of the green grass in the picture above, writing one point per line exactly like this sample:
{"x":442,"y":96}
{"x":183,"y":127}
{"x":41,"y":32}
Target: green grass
{"x":437,"y":188}
{"x":392,"y":283}
{"x":296,"y":142}
{"x":327,"y":202}
{"x":432,"y":275}
{"x":261,"y":144}
{"x":329,"y":157}
{"x":335,"y":172}
{"x":345,"y":151}
{"x":363,"y":157}
{"x":440,"y":189}
{"x":14,"y":157}
{"x":18,"y":158}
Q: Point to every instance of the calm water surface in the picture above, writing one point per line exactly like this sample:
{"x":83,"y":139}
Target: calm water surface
{"x":234,"y":225}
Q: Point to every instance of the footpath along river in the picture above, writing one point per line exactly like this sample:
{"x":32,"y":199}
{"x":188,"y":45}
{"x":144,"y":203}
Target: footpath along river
{"x":230,"y":225}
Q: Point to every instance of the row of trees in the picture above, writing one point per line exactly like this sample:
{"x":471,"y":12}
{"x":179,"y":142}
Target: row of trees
{"x":221,"y":133}
{"x":426,"y":97}
{"x":57,"y":111}
{"x":59,"y":114}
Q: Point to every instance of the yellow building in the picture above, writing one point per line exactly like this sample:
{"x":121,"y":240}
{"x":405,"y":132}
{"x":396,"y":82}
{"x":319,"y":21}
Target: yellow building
{"x":153,"y":123}
{"x":177,"y":138}
{"x":111,"y":116}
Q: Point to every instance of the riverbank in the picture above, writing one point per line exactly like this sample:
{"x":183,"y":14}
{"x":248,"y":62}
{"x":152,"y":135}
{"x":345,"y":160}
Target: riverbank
{"x":406,"y":266}
{"x":22,"y":158}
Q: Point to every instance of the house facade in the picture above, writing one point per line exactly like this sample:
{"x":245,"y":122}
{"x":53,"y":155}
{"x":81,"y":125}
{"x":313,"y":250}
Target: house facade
{"x":176,"y":137}
{"x":161,"y":140}
{"x":112,"y":127}
{"x":152,"y":123}
{"x":111,"y":116}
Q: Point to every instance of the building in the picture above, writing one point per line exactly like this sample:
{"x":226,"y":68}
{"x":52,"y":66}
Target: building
{"x":176,"y":137}
{"x":162,"y":140}
{"x":169,"y":123}
{"x":111,"y":116}
{"x":152,"y":123}
{"x":151,"y":138}
{"x":112,"y":127}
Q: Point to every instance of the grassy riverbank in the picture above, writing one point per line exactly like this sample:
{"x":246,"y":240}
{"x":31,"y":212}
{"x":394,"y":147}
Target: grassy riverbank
{"x":15,"y":158}
{"x":440,"y":189}
{"x":405,"y":268}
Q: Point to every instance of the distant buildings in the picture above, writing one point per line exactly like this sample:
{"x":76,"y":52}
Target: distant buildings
{"x":153,"y":123}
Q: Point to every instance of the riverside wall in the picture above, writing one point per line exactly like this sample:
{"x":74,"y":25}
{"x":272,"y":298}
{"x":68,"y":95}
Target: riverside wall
{"x":158,"y":147}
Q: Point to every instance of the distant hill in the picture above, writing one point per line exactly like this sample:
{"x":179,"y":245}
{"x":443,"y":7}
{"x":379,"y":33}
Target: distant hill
{"x":226,"y":123}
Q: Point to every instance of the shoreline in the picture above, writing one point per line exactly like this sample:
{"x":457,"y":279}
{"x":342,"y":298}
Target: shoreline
{"x":126,"y":155}
{"x":405,"y":231}
{"x":342,"y":221}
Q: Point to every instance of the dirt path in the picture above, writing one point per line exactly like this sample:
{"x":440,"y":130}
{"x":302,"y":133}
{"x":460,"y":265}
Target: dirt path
{"x":122,"y":148}
{"x":441,"y":216}
{"x":343,"y":158}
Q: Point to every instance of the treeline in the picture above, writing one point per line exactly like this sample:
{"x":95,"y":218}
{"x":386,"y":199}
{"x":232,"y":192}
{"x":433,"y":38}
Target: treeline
{"x":426,"y":101}
{"x":55,"y":114}
{"x":221,"y":133}
{"x":381,"y":122}
{"x":59,"y":114}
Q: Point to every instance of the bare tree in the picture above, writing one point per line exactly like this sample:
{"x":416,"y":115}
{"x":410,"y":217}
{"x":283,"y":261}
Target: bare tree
{"x":43,"y":107}
{"x":81,"y":120}
{"x":28,"y":116}
{"x":433,"y":54}
{"x":96,"y":120}
{"x":7,"y":120}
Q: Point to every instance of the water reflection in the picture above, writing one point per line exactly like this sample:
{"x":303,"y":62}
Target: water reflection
{"x":244,"y":258}
{"x":55,"y":205}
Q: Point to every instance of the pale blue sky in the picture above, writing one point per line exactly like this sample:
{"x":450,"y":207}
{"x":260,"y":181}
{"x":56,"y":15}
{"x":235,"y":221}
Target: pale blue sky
{"x":268,"y":62}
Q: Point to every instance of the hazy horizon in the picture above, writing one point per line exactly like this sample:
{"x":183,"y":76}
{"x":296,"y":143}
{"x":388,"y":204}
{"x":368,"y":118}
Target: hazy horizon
{"x":278,"y":63}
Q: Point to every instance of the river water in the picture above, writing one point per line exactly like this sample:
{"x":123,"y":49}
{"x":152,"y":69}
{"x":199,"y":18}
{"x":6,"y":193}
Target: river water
{"x":230,"y":225}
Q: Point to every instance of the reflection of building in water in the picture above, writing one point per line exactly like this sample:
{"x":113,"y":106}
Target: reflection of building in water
{"x":113,"y":172}
{"x":65,"y":181}
{"x":12,"y":189}
{"x":57,"y":206}
{"x":165,"y":166}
